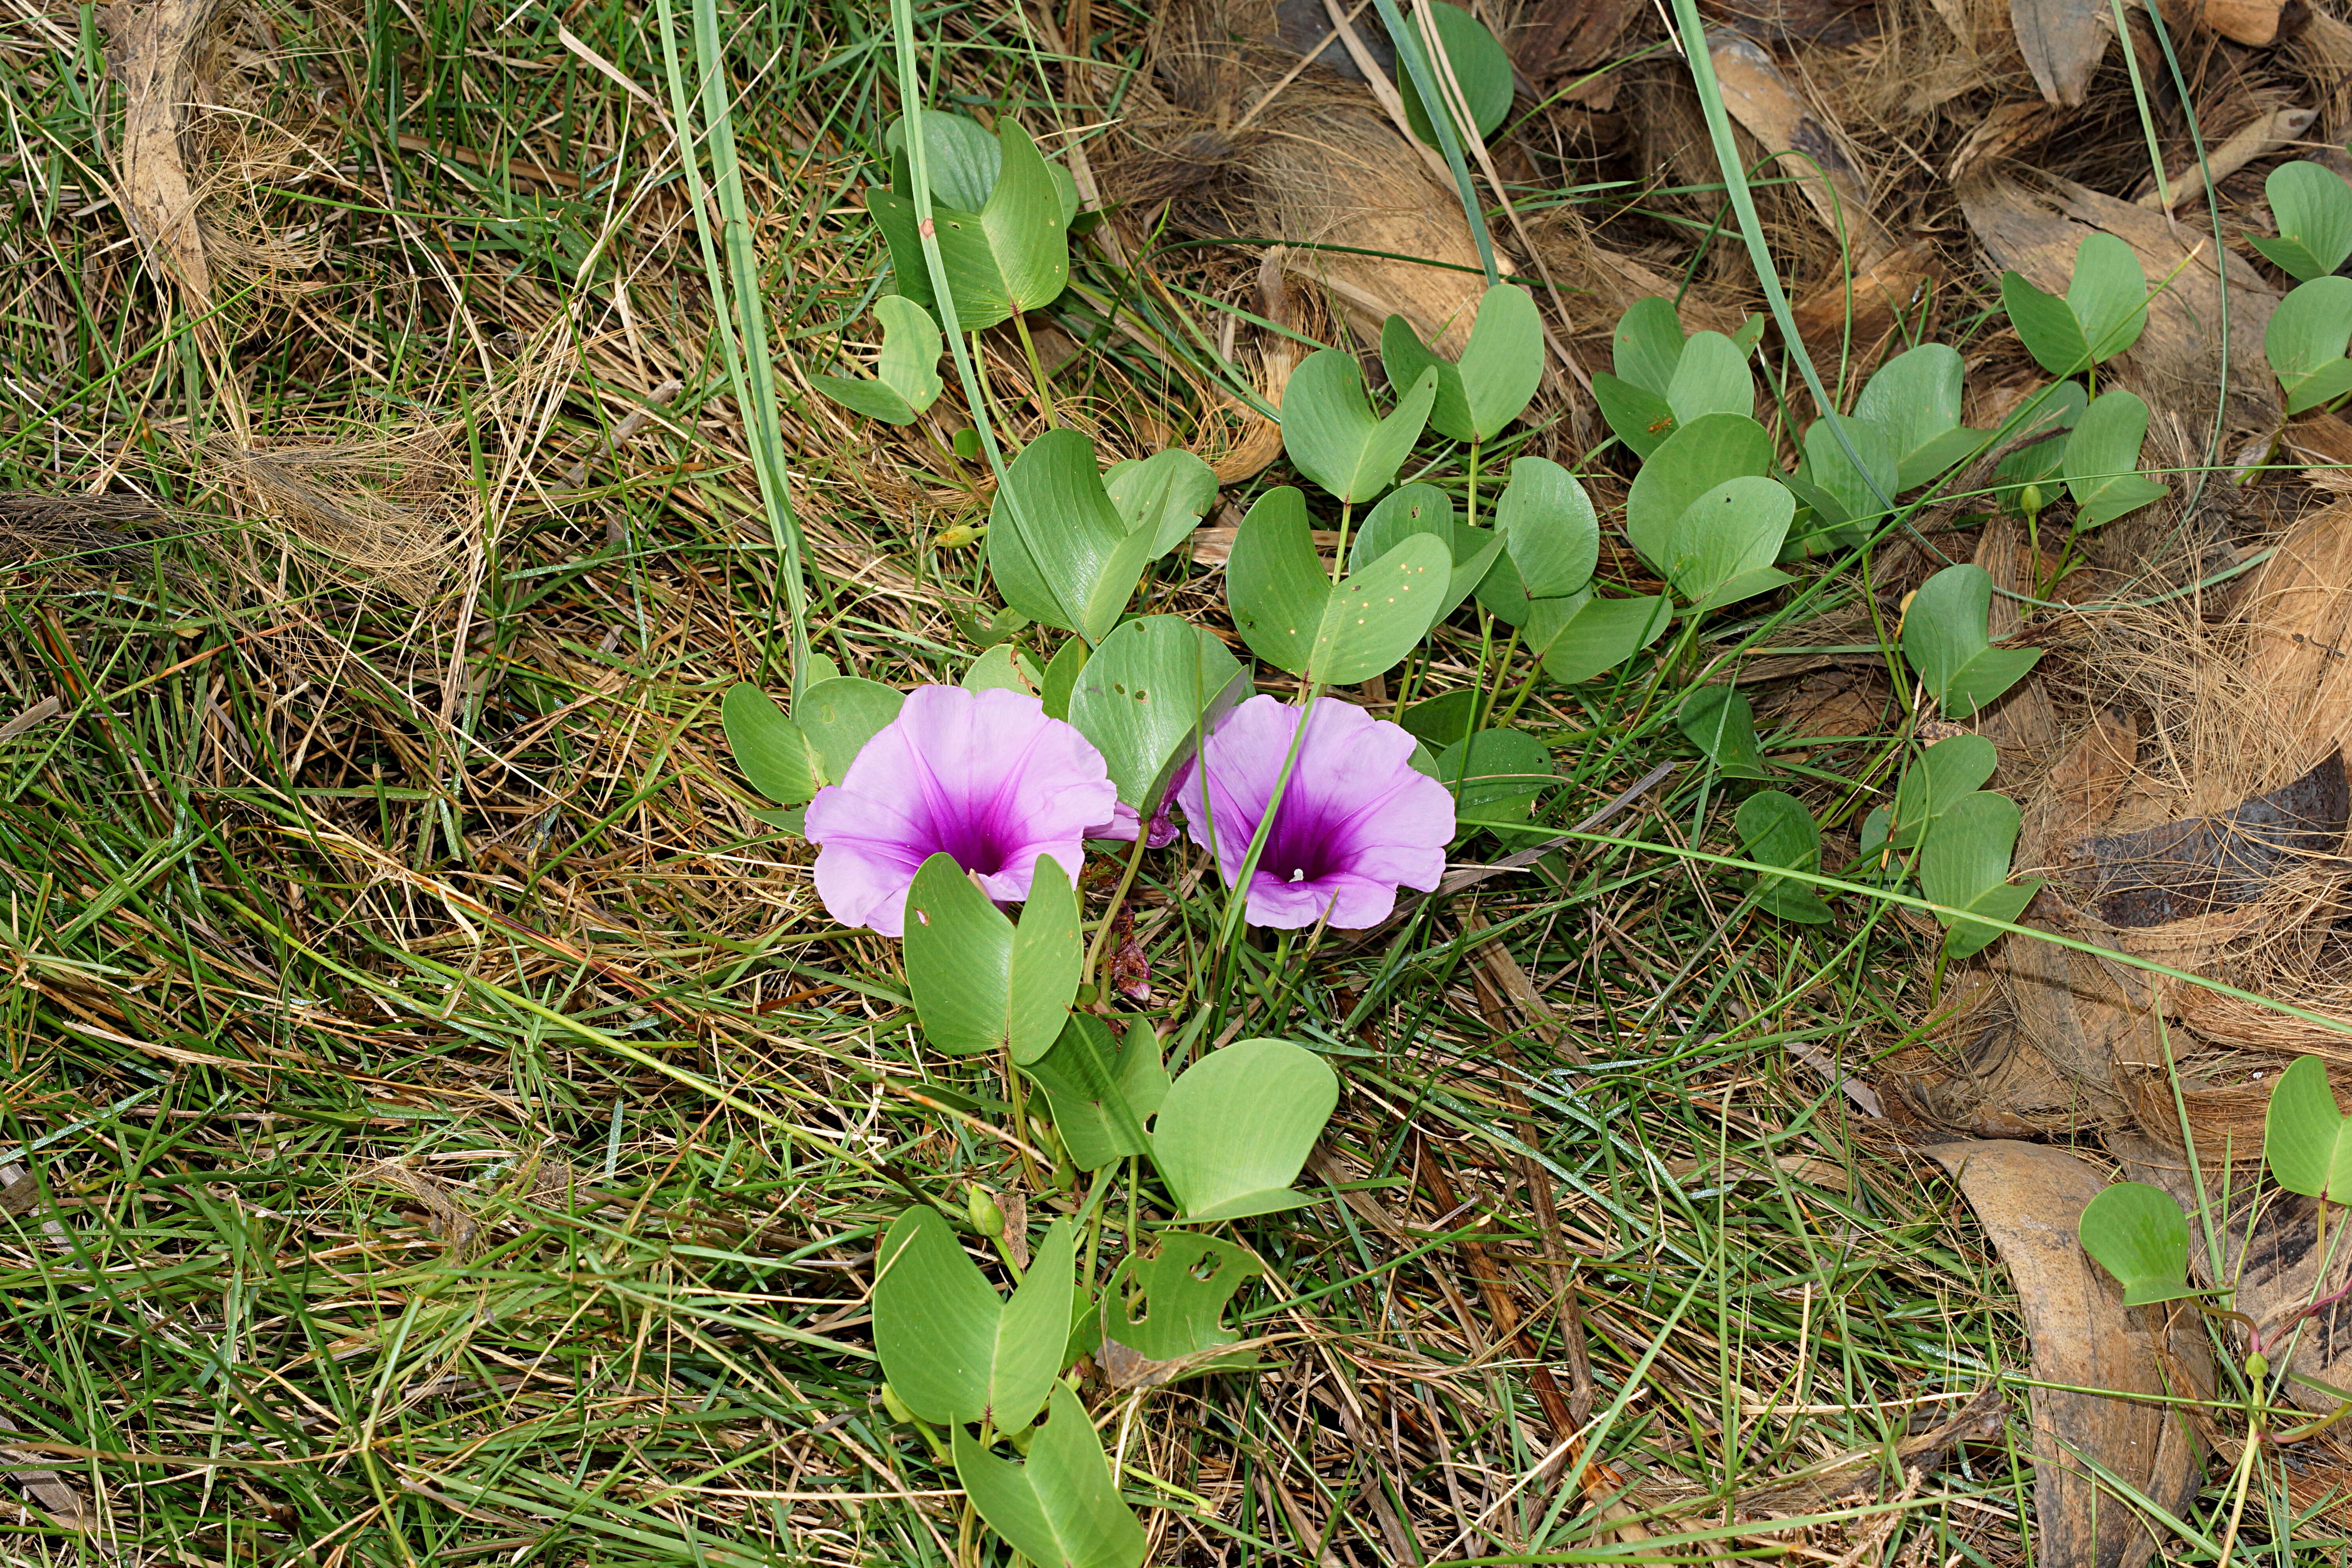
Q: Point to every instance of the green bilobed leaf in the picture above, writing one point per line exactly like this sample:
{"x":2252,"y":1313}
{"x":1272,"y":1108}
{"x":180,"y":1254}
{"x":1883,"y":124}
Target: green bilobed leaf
{"x":1062,"y":677}
{"x":1238,"y":1127}
{"x":1407,"y":359}
{"x":1062,"y":1507}
{"x":1776,"y":830}
{"x":1443,"y":719}
{"x":1695,"y":459}
{"x":1375,"y":617}
{"x":1722,"y":549}
{"x":1153,"y":685}
{"x":979,"y":983}
{"x":1940,"y":777}
{"x":1004,"y":668}
{"x":2306,"y":339}
{"x":1275,"y":582}
{"x":1847,"y":496}
{"x":2139,"y":1234}
{"x":1481,"y":70}
{"x":2306,"y":1140}
{"x":1060,"y":552}
{"x":1721,"y":722}
{"x":1501,"y":365}
{"x":770,"y":748}
{"x":1333,"y":437}
{"x":953,"y":1348}
{"x":2313,"y":208}
{"x":1552,"y":532}
{"x":1496,"y":777}
{"x":873,"y":399}
{"x":2046,"y":325}
{"x":1914,"y":398}
{"x":982,"y":298}
{"x":1964,"y":863}
{"x":1710,"y":378}
{"x":840,"y":715}
{"x":911,"y":346}
{"x":1945,"y":642}
{"x":961,"y":154}
{"x":2108,"y":294}
{"x":1648,"y":344}
{"x":1582,"y":635}
{"x":1641,"y":419}
{"x":2101,"y":460}
{"x":1169,"y":493}
{"x":1102,"y":1089}
{"x":1026,"y":227}
{"x":1425,"y":509}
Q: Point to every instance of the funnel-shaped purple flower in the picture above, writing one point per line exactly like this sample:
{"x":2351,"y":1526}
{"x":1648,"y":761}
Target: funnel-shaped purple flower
{"x":1355,"y":822}
{"x":982,"y":775}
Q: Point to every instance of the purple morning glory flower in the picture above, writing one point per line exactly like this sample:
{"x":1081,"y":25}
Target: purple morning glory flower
{"x":982,"y":775}
{"x":1355,"y":823}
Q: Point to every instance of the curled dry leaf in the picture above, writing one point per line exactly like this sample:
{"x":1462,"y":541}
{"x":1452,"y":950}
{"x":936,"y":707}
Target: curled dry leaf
{"x":2063,"y":42}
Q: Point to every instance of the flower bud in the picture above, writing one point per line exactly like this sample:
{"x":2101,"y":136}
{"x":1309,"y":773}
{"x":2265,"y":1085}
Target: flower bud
{"x":2258,"y":1367}
{"x":986,"y":1217}
{"x":2029,"y":501}
{"x":897,"y":1407}
{"x":959,"y":536}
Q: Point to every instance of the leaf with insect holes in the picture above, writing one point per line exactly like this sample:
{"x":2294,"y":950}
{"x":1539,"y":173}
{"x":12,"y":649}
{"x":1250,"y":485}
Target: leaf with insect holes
{"x":979,"y":983}
{"x":1721,"y":722}
{"x":1480,"y":67}
{"x":1237,"y":1126}
{"x":1964,"y":863}
{"x":1722,"y":548}
{"x":1291,"y":615}
{"x":2306,"y":1140}
{"x":953,"y":1348}
{"x":2306,"y":339}
{"x":2101,"y":460}
{"x":2139,"y":1234}
{"x":1155,"y":684}
{"x":1425,"y":509}
{"x":1166,"y":1308}
{"x":1059,"y":550}
{"x":2313,"y":208}
{"x":1945,"y":642}
{"x":1333,"y":437}
{"x":1060,"y":1507}
{"x":1689,"y":463}
{"x":1777,"y":830}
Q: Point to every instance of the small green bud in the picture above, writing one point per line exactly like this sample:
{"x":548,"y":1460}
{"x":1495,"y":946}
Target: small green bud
{"x":895,"y":1406}
{"x":2258,"y":1367}
{"x":2030,"y":500}
{"x":986,"y":1217}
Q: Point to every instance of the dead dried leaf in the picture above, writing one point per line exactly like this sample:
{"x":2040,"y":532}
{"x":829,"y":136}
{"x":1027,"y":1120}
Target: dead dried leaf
{"x":2028,"y":1197}
{"x":2063,"y":42}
